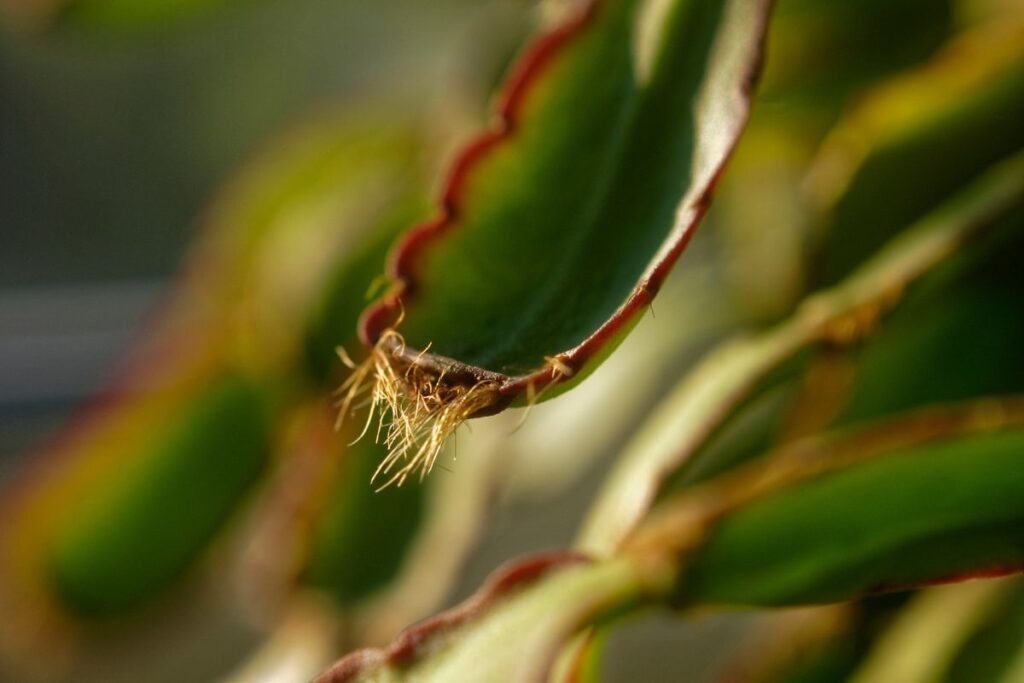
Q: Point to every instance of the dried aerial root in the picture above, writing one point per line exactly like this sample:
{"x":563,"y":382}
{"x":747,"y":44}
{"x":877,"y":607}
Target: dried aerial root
{"x":416,"y":410}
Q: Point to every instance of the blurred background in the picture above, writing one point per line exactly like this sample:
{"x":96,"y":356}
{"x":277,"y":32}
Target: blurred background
{"x":122,"y":122}
{"x":119,"y":121}
{"x":127,"y":127}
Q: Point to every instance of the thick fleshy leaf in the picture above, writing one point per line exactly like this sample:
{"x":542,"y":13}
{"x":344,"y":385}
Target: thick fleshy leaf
{"x":233,"y":318}
{"x":347,"y":288}
{"x":509,"y":631}
{"x":896,"y":129}
{"x":961,"y":316}
{"x":125,"y":509}
{"x":965,"y":322}
{"x":323,"y":525}
{"x":995,"y":649}
{"x":924,"y":639}
{"x":818,"y":64}
{"x":108,"y":15}
{"x":818,"y":51}
{"x":324,"y":203}
{"x":743,"y":391}
{"x":927,"y":132}
{"x":721,"y":542}
{"x":363,"y":535}
{"x":832,"y":518}
{"x":93,"y":527}
{"x":108,"y":527}
{"x":758,"y":536}
{"x":968,"y":631}
{"x":557,"y":227}
{"x":164,"y":504}
{"x":129,"y":12}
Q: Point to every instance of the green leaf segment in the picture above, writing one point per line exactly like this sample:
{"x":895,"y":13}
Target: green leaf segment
{"x":933,"y":494}
{"x":557,"y":226}
{"x":511,"y":273}
{"x":886,"y":529}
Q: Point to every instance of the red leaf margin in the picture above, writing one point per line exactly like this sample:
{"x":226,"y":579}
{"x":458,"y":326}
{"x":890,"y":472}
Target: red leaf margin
{"x":404,"y":649}
{"x":402,"y":260}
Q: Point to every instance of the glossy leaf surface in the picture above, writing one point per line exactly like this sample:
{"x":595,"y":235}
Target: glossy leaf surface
{"x":557,"y":228}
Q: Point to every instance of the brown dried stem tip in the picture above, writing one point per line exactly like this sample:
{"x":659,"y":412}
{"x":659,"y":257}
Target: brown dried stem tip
{"x":417,"y":406}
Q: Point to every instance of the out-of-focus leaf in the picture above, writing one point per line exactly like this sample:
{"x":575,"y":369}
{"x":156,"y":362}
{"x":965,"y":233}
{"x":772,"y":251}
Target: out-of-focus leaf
{"x":325,"y":527}
{"x":969,"y":631}
{"x":362,"y":535}
{"x":153,"y":516}
{"x":510,"y":630}
{"x":821,"y":58}
{"x":833,"y":518}
{"x":607,"y":122}
{"x":760,"y":218}
{"x":303,"y":645}
{"x":580,"y":661}
{"x":323,"y":203}
{"x":810,"y":645}
{"x":996,"y":645}
{"x":969,"y":328}
{"x":756,"y":374}
{"x":133,"y":13}
{"x":755,"y":426}
{"x":92,"y":491}
{"x":820,"y":50}
{"x":924,"y":638}
{"x":348,"y":288}
{"x":928,"y":133}
{"x":370,"y":561}
{"x":757,"y":536}
{"x":201,"y":397}
{"x":963,"y":319}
